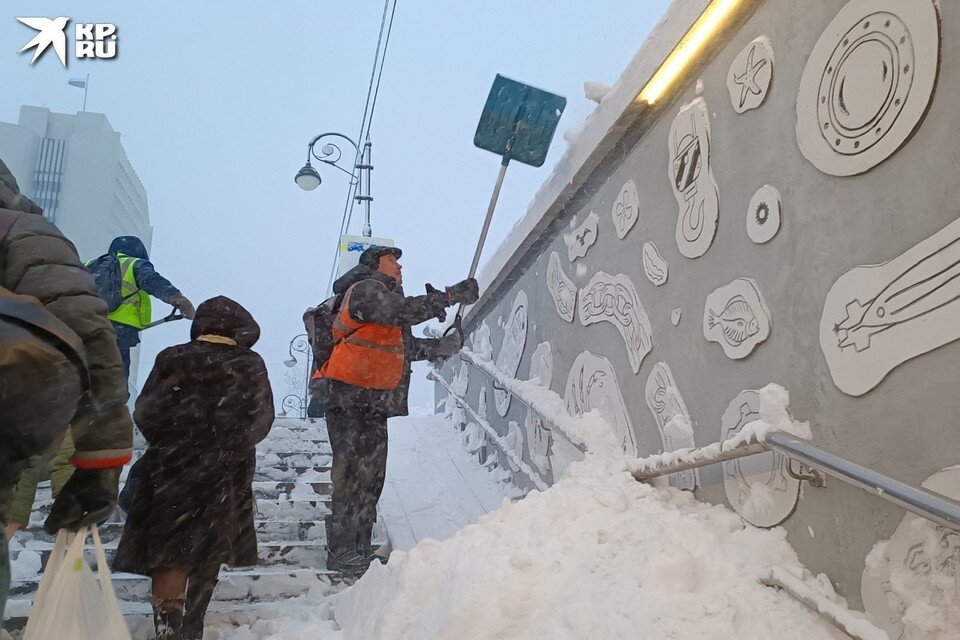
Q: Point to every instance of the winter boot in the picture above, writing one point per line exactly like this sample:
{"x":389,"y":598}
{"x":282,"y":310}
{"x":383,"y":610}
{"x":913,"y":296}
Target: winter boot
{"x":168,"y":618}
{"x":349,"y":563}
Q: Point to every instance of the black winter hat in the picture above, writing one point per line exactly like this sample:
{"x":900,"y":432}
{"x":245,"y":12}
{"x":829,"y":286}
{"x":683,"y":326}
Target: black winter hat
{"x":370,"y":258}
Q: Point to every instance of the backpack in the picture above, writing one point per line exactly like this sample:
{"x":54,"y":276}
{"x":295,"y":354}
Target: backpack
{"x":318,"y":322}
{"x":106,"y":275}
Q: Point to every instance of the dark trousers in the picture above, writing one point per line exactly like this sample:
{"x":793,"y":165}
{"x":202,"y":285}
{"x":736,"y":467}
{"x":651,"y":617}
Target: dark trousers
{"x":40,"y":390}
{"x":358,"y":437}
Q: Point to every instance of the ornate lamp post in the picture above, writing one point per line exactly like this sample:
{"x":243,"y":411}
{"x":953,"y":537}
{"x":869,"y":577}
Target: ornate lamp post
{"x":297,"y":401}
{"x":308,"y":179}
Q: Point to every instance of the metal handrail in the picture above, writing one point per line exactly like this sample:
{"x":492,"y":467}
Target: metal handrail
{"x":469,"y":356}
{"x":935,"y":507}
{"x":507,"y":450}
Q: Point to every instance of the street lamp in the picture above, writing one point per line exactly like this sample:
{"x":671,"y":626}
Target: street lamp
{"x":300,"y":344}
{"x":308,"y":178}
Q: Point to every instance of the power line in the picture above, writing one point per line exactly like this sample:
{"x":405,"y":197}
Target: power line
{"x":373,"y":90}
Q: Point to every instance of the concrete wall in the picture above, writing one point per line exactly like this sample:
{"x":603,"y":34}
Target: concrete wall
{"x":906,"y":426}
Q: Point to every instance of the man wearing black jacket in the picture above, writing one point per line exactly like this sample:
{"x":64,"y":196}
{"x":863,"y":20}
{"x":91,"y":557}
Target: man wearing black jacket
{"x":368,"y":378}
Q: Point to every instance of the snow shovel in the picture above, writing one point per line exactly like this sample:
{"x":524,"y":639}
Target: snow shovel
{"x":518,"y":122}
{"x":173,"y":316}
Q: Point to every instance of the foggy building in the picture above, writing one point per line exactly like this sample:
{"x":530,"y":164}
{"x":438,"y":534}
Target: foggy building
{"x":75,"y":167}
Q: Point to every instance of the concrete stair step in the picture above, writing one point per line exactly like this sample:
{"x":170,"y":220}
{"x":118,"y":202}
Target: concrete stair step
{"x":293,"y":510}
{"x":139,"y":614}
{"x":288,"y":473}
{"x":276,"y":530}
{"x":242,"y":585}
{"x":314,"y":490}
{"x":293,"y":459}
{"x":292,"y":553}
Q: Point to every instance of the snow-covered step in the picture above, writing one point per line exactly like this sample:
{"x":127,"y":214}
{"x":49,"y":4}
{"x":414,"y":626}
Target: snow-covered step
{"x":292,"y":553}
{"x":293,"y":490}
{"x":279,"y":434}
{"x":288,"y":473}
{"x":293,"y":510}
{"x":245,"y":585}
{"x":294,"y":445}
{"x":276,"y":530}
{"x":293,"y":459}
{"x":139,"y":614}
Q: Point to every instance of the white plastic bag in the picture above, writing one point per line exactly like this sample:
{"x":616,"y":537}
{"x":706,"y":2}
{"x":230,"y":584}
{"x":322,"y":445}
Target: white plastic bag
{"x":71,"y":604}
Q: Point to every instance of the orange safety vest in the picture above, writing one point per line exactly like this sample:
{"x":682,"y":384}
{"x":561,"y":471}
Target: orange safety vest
{"x":364,"y":354}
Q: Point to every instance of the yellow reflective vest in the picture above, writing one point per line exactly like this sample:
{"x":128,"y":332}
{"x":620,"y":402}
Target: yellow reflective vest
{"x":135,"y":310}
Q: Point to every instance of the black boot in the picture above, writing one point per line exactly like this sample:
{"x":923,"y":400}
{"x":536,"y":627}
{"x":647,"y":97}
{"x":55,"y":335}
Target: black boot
{"x":168,"y":618}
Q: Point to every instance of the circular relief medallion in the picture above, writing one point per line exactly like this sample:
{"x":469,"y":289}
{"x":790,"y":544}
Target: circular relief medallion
{"x":867,"y":83}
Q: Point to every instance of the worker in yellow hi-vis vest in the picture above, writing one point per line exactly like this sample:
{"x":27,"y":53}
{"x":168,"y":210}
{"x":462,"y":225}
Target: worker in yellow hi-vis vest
{"x":126,"y":279}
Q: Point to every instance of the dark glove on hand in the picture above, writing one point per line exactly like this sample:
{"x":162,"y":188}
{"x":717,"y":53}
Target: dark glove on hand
{"x":464,"y":292}
{"x":180,"y":301}
{"x":89,"y":497}
{"x":437,"y":303}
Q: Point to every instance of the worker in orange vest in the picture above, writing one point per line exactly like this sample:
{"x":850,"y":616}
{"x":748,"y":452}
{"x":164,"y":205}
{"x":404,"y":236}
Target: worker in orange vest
{"x":368,"y":376}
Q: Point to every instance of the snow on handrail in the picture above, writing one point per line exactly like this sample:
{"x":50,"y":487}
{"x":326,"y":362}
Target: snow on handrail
{"x":852,"y":624}
{"x":504,"y":446}
{"x":540,"y":400}
{"x":663,"y":464}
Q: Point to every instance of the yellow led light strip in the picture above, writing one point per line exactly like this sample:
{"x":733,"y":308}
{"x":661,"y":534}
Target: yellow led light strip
{"x":699,"y":34}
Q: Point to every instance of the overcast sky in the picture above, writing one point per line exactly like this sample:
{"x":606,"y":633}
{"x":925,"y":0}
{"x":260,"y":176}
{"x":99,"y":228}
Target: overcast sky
{"x":216,"y":102}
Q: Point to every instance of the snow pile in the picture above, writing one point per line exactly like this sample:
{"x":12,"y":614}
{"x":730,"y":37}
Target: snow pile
{"x":480,"y":341}
{"x":598,"y":555}
{"x":911,"y":583}
{"x":308,"y":617}
{"x":596,"y":91}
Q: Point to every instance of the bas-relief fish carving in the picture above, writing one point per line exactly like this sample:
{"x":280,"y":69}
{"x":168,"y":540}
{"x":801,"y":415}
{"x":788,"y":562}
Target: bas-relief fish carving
{"x":561,"y":288}
{"x":737,"y":321}
{"x":614,"y":299}
{"x":736,"y":317}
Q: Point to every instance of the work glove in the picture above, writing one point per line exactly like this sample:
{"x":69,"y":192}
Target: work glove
{"x":464,"y":292}
{"x":89,"y":497}
{"x":446,"y":347}
{"x":437,"y":303}
{"x":180,"y":301}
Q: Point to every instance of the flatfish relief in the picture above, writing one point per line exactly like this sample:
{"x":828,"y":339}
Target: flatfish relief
{"x":614,"y":299}
{"x":736,"y":317}
{"x":877,"y":317}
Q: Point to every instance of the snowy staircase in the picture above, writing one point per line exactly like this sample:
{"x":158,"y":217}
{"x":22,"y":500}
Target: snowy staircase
{"x":292,"y":490}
